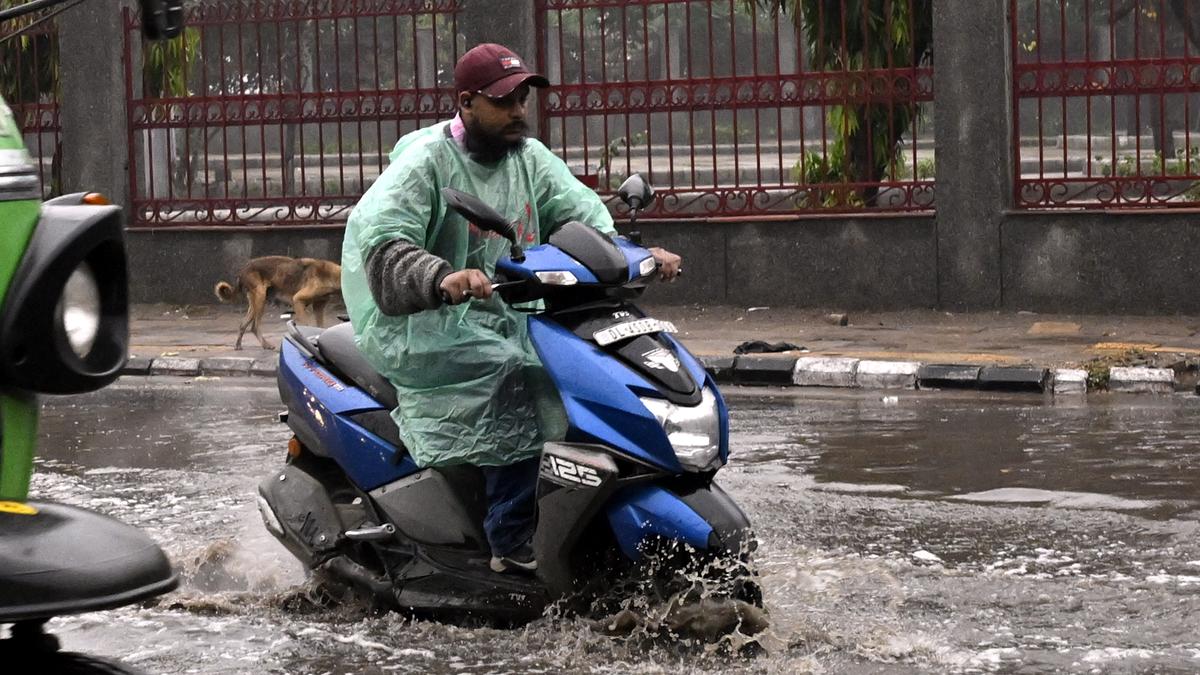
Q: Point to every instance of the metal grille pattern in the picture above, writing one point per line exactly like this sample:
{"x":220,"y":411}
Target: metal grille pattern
{"x":29,"y":81}
{"x":731,"y":109}
{"x":1105,"y":100}
{"x":281,"y":112}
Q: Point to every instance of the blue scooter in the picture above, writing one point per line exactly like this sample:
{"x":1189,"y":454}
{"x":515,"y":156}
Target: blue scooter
{"x":632,"y":481}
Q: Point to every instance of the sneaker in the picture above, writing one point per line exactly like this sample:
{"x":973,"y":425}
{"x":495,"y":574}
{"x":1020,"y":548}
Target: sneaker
{"x":520,"y":559}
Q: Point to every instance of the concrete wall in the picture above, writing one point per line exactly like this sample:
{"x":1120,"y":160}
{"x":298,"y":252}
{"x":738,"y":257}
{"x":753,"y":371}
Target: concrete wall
{"x":182,"y":266}
{"x":975,"y":254}
{"x":851,"y":263}
{"x":1073,"y":263}
{"x":842,"y":263}
{"x":1101,"y":263}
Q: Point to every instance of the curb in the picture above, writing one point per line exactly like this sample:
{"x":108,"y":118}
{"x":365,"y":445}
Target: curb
{"x":773,"y":371}
{"x":1142,"y":380}
{"x":851,"y":373}
{"x":217,"y":366}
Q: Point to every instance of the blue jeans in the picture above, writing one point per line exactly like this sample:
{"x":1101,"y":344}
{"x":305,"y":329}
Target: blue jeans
{"x":511,"y":501}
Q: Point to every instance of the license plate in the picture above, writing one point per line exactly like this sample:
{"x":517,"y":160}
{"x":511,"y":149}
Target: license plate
{"x":630,"y":329}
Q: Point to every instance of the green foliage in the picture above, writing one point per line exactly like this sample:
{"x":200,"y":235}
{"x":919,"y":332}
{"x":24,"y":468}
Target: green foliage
{"x":855,"y":35}
{"x":1097,"y":374}
{"x":926,"y":168}
{"x":1099,"y":368}
{"x":618,"y":147}
{"x":29,"y":61}
{"x":823,"y":173}
{"x":168,"y":64}
{"x":1184,"y":164}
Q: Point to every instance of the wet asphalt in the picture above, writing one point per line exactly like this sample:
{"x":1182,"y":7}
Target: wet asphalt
{"x":900,"y":533}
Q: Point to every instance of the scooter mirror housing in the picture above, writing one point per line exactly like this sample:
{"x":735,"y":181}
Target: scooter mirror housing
{"x":636,"y":192}
{"x":484,"y":217}
{"x":481,"y":215}
{"x":162,"y":19}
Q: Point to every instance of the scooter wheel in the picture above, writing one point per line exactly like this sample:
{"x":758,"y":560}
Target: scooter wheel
{"x":70,"y":663}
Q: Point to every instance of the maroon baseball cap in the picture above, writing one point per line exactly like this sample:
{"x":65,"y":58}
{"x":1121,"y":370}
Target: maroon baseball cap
{"x":494,"y":71}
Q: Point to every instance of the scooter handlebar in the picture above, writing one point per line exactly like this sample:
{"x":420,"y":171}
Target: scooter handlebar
{"x":496,"y":286}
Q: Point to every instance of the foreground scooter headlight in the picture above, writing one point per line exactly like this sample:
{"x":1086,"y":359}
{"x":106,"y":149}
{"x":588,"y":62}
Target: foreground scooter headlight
{"x":79,"y":310}
{"x":694,"y":431}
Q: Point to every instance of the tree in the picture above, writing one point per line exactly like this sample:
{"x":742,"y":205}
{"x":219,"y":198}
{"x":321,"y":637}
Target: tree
{"x":168,"y":64}
{"x":167,"y":67}
{"x":1158,"y":26}
{"x":29,"y":66}
{"x":857,"y":35}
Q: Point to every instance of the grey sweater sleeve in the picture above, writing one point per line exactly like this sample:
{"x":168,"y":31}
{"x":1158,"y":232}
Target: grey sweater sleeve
{"x":405,"y":278}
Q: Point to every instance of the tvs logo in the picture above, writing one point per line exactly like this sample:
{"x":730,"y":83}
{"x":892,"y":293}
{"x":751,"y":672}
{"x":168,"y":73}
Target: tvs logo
{"x":661,"y":359}
{"x":509,"y":62}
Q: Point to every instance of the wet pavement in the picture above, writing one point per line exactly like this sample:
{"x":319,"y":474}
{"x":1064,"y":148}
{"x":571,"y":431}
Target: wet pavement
{"x":985,"y":338}
{"x":900,"y":533}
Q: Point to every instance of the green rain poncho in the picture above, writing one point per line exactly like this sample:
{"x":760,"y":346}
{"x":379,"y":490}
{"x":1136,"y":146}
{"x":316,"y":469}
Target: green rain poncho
{"x":470,"y":386}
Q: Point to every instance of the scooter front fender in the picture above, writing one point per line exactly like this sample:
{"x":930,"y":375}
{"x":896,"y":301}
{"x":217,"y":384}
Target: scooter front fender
{"x":703,"y":518}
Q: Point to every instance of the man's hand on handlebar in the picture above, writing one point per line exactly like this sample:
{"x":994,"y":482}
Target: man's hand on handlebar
{"x":460,"y":286}
{"x":669,"y":264}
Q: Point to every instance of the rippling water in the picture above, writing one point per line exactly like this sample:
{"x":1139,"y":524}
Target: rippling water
{"x":906,"y":533}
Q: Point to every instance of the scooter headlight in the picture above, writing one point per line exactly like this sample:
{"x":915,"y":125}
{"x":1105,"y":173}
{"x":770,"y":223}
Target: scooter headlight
{"x":694,"y":431}
{"x":79,"y":310}
{"x":558,"y":278}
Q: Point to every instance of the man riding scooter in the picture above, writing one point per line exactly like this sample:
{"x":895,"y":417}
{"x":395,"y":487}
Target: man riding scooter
{"x":416,"y":277}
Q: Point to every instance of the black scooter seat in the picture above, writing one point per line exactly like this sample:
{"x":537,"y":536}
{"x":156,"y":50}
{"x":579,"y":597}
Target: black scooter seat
{"x":336,"y":345}
{"x":66,"y":560}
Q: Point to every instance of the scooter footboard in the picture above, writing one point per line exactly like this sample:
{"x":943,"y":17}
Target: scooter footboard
{"x":705,"y":518}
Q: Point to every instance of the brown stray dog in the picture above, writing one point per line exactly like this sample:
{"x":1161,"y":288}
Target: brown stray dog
{"x":307,"y":283}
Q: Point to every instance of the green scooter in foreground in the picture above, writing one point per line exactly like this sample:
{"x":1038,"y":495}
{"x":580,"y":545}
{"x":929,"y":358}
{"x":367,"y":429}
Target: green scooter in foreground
{"x":63,"y":330}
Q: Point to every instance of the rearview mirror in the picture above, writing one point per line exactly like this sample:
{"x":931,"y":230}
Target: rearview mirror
{"x":481,"y":215}
{"x":162,"y":19}
{"x":636,"y":192}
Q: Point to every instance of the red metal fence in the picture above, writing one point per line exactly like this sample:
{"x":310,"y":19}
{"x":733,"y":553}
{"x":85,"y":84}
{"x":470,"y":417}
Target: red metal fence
{"x":29,"y":83}
{"x":1105,"y":100}
{"x":734,"y":109}
{"x":281,"y":112}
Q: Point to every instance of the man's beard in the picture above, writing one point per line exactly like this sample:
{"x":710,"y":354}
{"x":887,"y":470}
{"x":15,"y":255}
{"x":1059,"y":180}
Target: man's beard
{"x":487,"y":148}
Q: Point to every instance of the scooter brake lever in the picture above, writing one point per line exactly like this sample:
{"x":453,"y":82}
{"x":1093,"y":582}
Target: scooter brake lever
{"x":506,"y":284}
{"x":449,"y":301}
{"x":496,"y":286}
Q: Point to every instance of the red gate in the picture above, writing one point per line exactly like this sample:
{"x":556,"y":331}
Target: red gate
{"x":277,"y":113}
{"x":1105,"y":99}
{"x":734,"y":108}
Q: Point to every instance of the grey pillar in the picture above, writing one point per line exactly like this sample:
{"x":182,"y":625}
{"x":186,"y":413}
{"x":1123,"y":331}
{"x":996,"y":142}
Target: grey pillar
{"x":95,"y":133}
{"x":511,"y":24}
{"x":973,"y":119}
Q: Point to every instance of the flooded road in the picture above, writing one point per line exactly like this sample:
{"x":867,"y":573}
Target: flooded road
{"x":903,"y":533}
